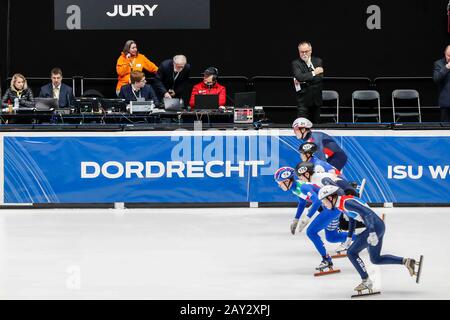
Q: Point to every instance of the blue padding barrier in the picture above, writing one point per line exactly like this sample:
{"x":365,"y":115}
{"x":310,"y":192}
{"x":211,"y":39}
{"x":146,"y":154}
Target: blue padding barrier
{"x":213,"y":166}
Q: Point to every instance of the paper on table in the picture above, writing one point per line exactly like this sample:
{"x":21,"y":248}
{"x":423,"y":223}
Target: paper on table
{"x":297,"y":85}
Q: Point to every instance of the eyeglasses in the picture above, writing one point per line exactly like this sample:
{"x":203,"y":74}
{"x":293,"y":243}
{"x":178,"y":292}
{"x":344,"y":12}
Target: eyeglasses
{"x":143,"y":81}
{"x":305,"y":51}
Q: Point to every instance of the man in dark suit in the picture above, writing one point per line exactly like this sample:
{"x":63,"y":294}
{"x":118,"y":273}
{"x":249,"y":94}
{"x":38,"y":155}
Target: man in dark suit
{"x":441,"y":75}
{"x":172,"y":78}
{"x":308,"y":74}
{"x":138,"y":89}
{"x":57,"y":89}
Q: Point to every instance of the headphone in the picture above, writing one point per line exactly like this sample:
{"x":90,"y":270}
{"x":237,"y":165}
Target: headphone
{"x":212,"y":71}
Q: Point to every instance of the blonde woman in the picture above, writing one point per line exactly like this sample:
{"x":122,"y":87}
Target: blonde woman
{"x":18,"y":90}
{"x":131,"y":60}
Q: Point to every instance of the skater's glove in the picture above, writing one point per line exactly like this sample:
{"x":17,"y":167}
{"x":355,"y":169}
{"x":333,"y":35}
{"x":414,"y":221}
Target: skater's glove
{"x":294,"y":225}
{"x":372,"y":239}
{"x":303,"y":223}
{"x":344,"y":246}
{"x":347,"y":243}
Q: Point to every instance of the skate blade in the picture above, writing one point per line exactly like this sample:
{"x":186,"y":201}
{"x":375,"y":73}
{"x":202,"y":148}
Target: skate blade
{"x":419,"y":270}
{"x":324,"y":273}
{"x":360,"y":295}
{"x":339,"y":255}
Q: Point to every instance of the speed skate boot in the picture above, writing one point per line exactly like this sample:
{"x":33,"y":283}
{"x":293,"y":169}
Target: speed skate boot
{"x":365,"y":285}
{"x":341,"y":251}
{"x":411,"y":264}
{"x":326,"y":267}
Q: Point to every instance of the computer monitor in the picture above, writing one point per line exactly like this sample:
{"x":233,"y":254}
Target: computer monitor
{"x":114,"y":105}
{"x":45,"y":104}
{"x":87,"y":105}
{"x":206,"y":101}
{"x":244,"y":99}
{"x":172,"y":104}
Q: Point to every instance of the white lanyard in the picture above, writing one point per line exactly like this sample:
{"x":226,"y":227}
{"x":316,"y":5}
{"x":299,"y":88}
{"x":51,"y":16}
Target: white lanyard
{"x":140,"y":95}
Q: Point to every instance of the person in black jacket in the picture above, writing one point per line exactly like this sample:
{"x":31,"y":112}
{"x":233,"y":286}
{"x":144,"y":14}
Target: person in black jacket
{"x":441,"y":76}
{"x":172,"y":78}
{"x":57,"y":89}
{"x":18,"y":90}
{"x":138,"y":89}
{"x":308,"y":74}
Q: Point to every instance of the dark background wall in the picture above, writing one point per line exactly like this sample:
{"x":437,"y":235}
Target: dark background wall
{"x":246,"y":38}
{"x":3,"y":40}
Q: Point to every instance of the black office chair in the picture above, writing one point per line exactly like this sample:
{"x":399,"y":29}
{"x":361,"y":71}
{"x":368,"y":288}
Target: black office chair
{"x":406,"y":95}
{"x":330,"y":96}
{"x":92,"y":93}
{"x":366,"y":111}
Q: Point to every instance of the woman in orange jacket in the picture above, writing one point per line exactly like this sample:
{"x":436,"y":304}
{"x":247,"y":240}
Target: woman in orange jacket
{"x":131,"y":60}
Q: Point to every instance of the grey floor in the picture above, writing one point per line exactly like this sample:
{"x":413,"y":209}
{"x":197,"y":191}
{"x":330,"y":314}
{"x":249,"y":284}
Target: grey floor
{"x":203,"y":254}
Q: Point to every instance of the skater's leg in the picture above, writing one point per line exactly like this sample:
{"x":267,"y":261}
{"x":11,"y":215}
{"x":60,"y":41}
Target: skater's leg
{"x":359,"y":244}
{"x":335,"y":236}
{"x":374,"y":252}
{"x":318,"y":224}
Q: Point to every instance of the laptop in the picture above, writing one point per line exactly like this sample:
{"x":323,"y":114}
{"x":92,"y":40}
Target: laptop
{"x":172,"y":104}
{"x":244,"y":99}
{"x":45,"y":104}
{"x":206,"y":101}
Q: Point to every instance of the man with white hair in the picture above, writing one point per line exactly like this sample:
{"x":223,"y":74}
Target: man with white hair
{"x":172,"y":77}
{"x":308,"y":74}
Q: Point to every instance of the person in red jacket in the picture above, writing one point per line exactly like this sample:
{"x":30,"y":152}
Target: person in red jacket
{"x":209,"y":85}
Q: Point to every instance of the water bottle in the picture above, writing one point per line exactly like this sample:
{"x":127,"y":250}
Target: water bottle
{"x":16,"y":104}
{"x":152,"y":105}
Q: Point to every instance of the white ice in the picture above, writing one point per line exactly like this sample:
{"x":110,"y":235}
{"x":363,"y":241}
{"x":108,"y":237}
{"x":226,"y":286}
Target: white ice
{"x":204,"y":254}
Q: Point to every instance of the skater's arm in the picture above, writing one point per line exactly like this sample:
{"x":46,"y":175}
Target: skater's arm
{"x":300,"y":207}
{"x":351,"y":227}
{"x":316,"y":203}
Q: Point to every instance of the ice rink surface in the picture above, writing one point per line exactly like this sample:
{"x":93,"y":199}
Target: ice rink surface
{"x":204,"y":254}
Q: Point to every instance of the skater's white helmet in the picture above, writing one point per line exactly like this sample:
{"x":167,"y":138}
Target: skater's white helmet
{"x":302,"y":123}
{"x":328,"y":190}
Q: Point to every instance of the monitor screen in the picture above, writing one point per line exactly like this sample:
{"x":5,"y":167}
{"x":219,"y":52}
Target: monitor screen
{"x":206,"y":101}
{"x":87,"y":105}
{"x":245,"y":99}
{"x":114,"y":105}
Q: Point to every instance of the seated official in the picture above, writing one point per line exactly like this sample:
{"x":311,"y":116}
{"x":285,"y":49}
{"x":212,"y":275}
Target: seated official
{"x":18,"y":95}
{"x":209,"y":85}
{"x":57,"y":89}
{"x":138,"y":89}
{"x":172,"y":77}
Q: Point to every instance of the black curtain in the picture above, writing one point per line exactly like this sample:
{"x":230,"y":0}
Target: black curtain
{"x":3,"y":42}
{"x":246,"y":38}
